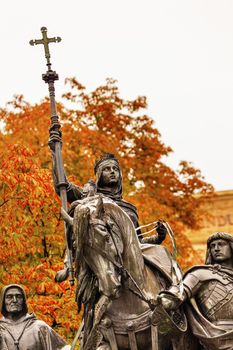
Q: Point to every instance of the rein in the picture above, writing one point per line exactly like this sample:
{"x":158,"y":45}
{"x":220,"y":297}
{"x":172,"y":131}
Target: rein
{"x":121,"y":267}
{"x":138,"y":292}
{"x":94,"y":336}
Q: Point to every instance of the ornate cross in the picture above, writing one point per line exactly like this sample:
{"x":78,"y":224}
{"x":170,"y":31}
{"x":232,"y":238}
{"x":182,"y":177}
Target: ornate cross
{"x":45,"y":41}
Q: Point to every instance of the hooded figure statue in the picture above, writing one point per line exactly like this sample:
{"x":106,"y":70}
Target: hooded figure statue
{"x":109,"y":183}
{"x":108,"y":161}
{"x":20,"y":330}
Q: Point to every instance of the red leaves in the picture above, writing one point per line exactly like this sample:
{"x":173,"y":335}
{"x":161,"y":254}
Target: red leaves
{"x":32,"y":238}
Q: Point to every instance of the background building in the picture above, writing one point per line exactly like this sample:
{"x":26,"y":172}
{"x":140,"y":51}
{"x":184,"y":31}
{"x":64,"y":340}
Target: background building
{"x":219,"y":218}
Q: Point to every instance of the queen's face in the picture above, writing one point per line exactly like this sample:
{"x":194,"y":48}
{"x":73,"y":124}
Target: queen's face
{"x":14,"y":300}
{"x":110,"y":175}
{"x":221,"y":251}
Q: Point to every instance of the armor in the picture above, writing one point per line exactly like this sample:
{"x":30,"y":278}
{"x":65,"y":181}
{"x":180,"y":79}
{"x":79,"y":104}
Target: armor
{"x":212,"y":287}
{"x":208,"y":292}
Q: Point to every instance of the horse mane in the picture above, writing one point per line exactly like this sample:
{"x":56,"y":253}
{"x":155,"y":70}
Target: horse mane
{"x":111,"y":214}
{"x":87,"y":290}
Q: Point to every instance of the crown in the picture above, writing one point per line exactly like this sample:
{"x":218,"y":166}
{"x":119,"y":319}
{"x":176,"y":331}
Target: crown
{"x":103,"y":158}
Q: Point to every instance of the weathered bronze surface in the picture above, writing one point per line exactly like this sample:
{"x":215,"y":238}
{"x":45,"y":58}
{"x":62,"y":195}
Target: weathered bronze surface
{"x":207,"y":292}
{"x":119,"y":280}
{"x":108,"y":182}
{"x":120,"y":275}
{"x":20,"y":330}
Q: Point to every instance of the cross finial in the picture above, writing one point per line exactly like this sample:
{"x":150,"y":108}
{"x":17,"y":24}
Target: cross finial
{"x":45,"y":41}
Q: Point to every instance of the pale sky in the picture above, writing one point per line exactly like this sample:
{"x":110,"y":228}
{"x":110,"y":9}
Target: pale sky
{"x":179,"y":53}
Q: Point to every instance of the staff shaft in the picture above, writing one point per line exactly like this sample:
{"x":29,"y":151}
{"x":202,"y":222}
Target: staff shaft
{"x":49,"y":77}
{"x":55,"y":126}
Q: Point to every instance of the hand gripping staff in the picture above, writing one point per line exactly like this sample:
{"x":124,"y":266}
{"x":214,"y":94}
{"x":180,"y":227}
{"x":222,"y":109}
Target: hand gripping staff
{"x":49,"y":77}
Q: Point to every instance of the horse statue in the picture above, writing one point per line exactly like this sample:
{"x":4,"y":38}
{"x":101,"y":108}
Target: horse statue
{"x":119,"y":280}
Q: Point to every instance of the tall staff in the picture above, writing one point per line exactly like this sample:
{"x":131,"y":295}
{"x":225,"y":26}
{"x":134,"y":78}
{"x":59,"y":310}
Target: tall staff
{"x":49,"y":77}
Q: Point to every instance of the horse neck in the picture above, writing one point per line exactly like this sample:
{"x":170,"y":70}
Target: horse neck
{"x":132,"y":256}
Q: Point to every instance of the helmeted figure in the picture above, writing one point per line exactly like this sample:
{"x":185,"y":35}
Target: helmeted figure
{"x":210,"y":291}
{"x":20,"y":330}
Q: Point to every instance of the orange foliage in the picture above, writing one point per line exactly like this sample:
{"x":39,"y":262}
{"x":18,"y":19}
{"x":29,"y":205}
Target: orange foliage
{"x":32,"y":244}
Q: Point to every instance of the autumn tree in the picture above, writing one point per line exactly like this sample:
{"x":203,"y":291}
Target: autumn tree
{"x":102,"y":121}
{"x":31,"y":238}
{"x":92,"y":123}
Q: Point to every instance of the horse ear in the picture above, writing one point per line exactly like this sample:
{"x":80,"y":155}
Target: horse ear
{"x":99,"y":208}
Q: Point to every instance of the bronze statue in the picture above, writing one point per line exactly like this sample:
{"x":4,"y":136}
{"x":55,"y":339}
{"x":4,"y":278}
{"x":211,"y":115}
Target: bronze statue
{"x":109,"y":183}
{"x":210,"y":291}
{"x":20,"y":330}
{"x":119,"y":280}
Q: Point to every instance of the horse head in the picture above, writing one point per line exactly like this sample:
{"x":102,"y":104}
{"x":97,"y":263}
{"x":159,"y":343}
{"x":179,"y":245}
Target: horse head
{"x":96,"y":245}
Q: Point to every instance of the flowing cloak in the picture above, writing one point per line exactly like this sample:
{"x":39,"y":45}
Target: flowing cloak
{"x":30,"y":333}
{"x":213,"y":337}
